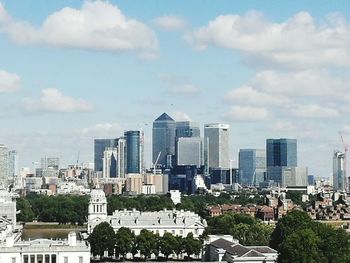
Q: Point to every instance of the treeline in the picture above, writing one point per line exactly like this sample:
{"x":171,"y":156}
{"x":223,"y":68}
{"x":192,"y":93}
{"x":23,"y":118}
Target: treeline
{"x":248,"y":230}
{"x":62,"y":209}
{"x":120,"y":244}
{"x":74,"y":209}
{"x":298,"y":238}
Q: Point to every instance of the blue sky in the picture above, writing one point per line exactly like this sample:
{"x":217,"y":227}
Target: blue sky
{"x":71,"y":71}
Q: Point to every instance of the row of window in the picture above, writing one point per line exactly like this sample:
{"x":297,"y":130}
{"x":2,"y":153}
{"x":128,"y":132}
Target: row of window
{"x":44,"y":259}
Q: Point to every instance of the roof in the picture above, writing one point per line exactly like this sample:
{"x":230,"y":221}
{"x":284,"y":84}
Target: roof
{"x":263,"y":249}
{"x":164,"y":117}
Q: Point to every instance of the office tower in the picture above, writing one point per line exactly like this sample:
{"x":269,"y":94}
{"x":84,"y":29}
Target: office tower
{"x":216,"y":146}
{"x":50,"y":162}
{"x":294,"y":176}
{"x":121,"y":160}
{"x":189,"y":151}
{"x":13,"y":164}
{"x":163,"y":140}
{"x":134,"y":151}
{"x":99,"y":147}
{"x":280,"y":154}
{"x":252,"y":166}
{"x":187,"y":129}
{"x":110,"y":156}
{"x":339,"y":179}
{"x":4,"y":165}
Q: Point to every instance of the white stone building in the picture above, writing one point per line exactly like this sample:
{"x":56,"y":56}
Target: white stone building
{"x":166,"y":221}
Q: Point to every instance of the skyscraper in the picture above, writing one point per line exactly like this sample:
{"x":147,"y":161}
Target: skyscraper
{"x":4,"y":165}
{"x":187,"y":129}
{"x":134,"y":151}
{"x":252,"y":166}
{"x":216,"y":146}
{"x":339,"y":180}
{"x":99,"y":147}
{"x":280,"y":154}
{"x":163,"y":140}
{"x":110,"y":156}
{"x":13,"y":164}
{"x":189,"y":151}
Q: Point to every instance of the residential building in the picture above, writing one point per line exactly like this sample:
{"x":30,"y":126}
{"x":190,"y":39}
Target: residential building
{"x":339,"y":176}
{"x":134,"y":151}
{"x":4,"y":165}
{"x":99,"y":147}
{"x":280,"y":153}
{"x":216,"y":146}
{"x":133,"y":183}
{"x":165,"y":221}
{"x":163,"y":140}
{"x":189,"y":151}
{"x":252,"y":166}
{"x":160,"y":182}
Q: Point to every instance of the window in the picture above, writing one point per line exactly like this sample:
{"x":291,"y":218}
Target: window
{"x":65,"y":260}
{"x":173,"y":232}
{"x":40,"y":259}
{"x":13,"y":260}
{"x":80,"y":259}
{"x":25,"y":259}
{"x":32,"y":259}
{"x":181,"y":232}
{"x":47,"y":258}
{"x":53,"y":259}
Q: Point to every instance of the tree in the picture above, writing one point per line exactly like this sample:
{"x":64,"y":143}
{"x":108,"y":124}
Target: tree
{"x":179,"y":245}
{"x":288,"y":224}
{"x":102,"y":239}
{"x":26,"y":213}
{"x":146,"y":243}
{"x":167,"y":244}
{"x":192,"y":246}
{"x":124,"y":241}
{"x":301,"y":246}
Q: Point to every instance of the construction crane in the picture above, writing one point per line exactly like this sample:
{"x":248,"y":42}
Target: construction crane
{"x":346,"y":149}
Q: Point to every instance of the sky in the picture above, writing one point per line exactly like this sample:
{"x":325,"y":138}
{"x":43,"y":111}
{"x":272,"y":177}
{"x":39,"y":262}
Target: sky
{"x":72,"y":71}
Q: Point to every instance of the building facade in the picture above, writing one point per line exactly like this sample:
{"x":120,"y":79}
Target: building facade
{"x":187,"y":129}
{"x":339,"y":177}
{"x":13,"y":165}
{"x":4,"y":165}
{"x":216,"y":146}
{"x":134,"y":151}
{"x":280,"y":153}
{"x":163,"y":140}
{"x":99,"y":147}
{"x":189,"y":151}
{"x":252,"y":166}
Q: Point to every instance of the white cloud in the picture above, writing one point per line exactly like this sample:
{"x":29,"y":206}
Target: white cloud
{"x":9,"y":81}
{"x":298,"y":42}
{"x":170,"y":23}
{"x":313,"y":111}
{"x":105,"y":130}
{"x":247,"y":95}
{"x":180,"y":116}
{"x":180,"y":86}
{"x":52,"y":100}
{"x":247,"y":113}
{"x":98,"y":25}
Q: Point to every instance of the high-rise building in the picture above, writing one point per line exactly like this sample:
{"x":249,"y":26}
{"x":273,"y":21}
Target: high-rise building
{"x":339,"y":177}
{"x":13,"y":164}
{"x":189,"y":151}
{"x":294,"y":176}
{"x":216,"y":146}
{"x":252,"y":166}
{"x":280,"y":154}
{"x":50,"y":162}
{"x":4,"y":165}
{"x":134,"y":151}
{"x":99,"y":147}
{"x":110,"y":156}
{"x":163,"y":140}
{"x":187,"y":129}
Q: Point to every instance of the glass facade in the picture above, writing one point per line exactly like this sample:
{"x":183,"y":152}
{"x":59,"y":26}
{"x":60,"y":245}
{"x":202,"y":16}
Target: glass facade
{"x":100,"y":146}
{"x":134,"y":151}
{"x":187,"y":129}
{"x":252,"y":166}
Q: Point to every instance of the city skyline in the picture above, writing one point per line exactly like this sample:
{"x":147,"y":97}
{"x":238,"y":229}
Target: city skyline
{"x":61,"y":89}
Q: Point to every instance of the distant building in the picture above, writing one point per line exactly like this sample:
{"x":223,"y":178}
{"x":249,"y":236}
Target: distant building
{"x":280,"y":153}
{"x":187,"y":129}
{"x":294,"y":176}
{"x":110,"y":157}
{"x":133,"y":184}
{"x":163,"y":140}
{"x":339,"y":176}
{"x":216,"y":146}
{"x":252,"y":166}
{"x":176,"y":222}
{"x":159,"y":181}
{"x":4,"y":165}
{"x":134,"y":151}
{"x":189,"y":151}
{"x":13,"y":164}
{"x":99,"y":147}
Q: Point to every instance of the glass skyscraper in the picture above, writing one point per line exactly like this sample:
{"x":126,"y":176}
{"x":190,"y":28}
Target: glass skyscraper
{"x":339,"y":179}
{"x":252,"y":166}
{"x":99,"y":147}
{"x":163,"y":140}
{"x":4,"y":165}
{"x":187,"y":129}
{"x":134,"y":151}
{"x":280,"y":154}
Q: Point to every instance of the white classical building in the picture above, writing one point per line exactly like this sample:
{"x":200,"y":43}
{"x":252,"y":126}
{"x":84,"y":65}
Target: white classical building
{"x":165,"y":221}
{"x":14,"y":250}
